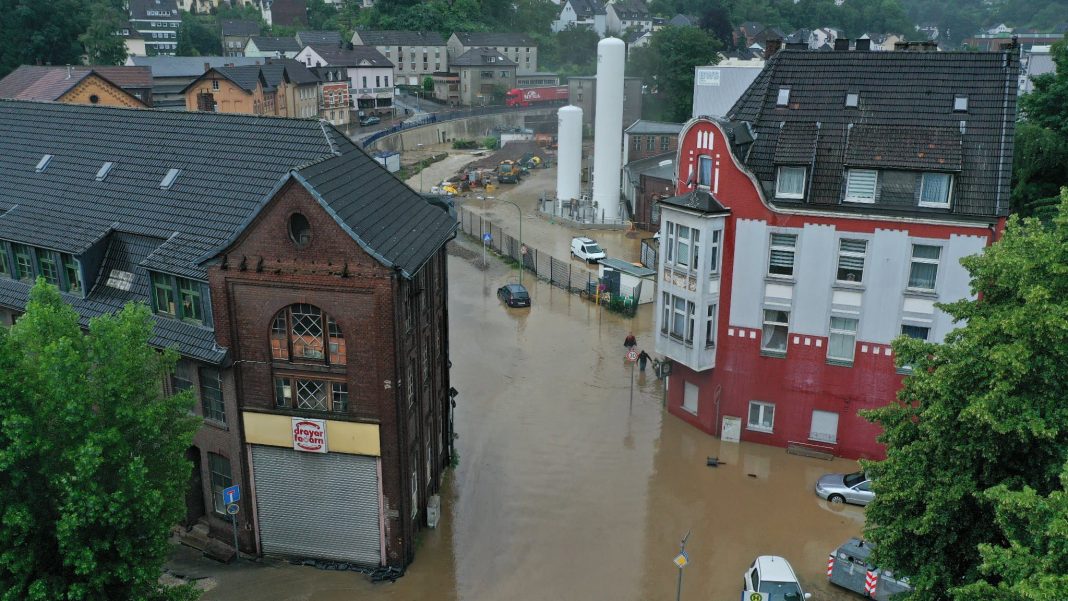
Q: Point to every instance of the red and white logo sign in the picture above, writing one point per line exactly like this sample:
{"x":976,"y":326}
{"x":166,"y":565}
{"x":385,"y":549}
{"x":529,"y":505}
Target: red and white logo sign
{"x":309,"y":435}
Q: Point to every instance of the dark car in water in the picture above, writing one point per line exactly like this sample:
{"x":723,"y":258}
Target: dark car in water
{"x":514,"y":295}
{"x":371,"y":120}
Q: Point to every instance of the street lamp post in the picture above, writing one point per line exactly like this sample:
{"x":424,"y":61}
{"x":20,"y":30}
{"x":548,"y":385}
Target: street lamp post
{"x":421,"y":167}
{"x":520,"y":211}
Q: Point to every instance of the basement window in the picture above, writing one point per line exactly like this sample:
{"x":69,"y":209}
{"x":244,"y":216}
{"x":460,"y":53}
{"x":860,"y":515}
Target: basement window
{"x":43,"y":163}
{"x":104,"y":170}
{"x":168,"y":180}
{"x":784,"y":97}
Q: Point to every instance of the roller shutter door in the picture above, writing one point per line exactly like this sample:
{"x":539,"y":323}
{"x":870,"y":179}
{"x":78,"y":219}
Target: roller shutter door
{"x":322,"y":506}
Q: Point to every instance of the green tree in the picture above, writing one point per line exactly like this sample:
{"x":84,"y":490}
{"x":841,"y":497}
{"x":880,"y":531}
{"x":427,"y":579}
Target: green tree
{"x":428,"y":84}
{"x":92,"y":467}
{"x":572,"y":51}
{"x":983,"y":409}
{"x":199,"y":36}
{"x":322,"y":16}
{"x":41,"y":33}
{"x":1040,"y":158}
{"x":667,"y":65}
{"x":1029,"y":565}
{"x":102,"y":46}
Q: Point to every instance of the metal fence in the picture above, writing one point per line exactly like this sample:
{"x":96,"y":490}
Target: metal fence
{"x":424,"y":119}
{"x":650,"y":254}
{"x":583,"y":211}
{"x":607,"y":292}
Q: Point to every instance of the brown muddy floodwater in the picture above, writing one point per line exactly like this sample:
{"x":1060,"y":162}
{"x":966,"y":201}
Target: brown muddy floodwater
{"x":567,"y":491}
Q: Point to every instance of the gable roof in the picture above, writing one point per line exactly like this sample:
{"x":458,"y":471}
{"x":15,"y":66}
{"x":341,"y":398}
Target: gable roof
{"x":139,"y":9}
{"x":482,"y":57}
{"x":630,"y":9}
{"x":269,"y":44}
{"x":240,"y":27}
{"x":351,"y":57}
{"x":493,"y":38}
{"x":587,"y":8}
{"x":393,"y":37}
{"x":645,"y":126}
{"x":905,"y":120}
{"x":230,"y":167}
{"x":246,"y":77}
{"x":51,"y":83}
{"x":306,"y":38}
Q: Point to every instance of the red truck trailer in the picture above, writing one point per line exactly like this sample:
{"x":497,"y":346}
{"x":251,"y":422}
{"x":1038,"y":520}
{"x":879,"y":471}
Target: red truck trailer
{"x":529,"y":96}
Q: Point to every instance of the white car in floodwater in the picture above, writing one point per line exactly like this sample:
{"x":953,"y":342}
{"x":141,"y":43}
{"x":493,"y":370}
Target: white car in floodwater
{"x":775,"y":577}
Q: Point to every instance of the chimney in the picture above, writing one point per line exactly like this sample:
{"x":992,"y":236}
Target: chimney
{"x":70,"y":71}
{"x":207,"y":67}
{"x":863,"y":45}
{"x":841,"y":45}
{"x":771,"y":47}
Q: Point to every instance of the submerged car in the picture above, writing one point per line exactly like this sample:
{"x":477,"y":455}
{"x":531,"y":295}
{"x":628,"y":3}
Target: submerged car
{"x":514,"y":295}
{"x":852,"y":488}
{"x":587,"y":249}
{"x":371,"y":120}
{"x":775,"y":577}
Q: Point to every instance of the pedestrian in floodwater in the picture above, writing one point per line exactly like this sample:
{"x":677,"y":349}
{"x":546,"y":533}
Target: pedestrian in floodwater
{"x":630,"y":342}
{"x":643,"y":358}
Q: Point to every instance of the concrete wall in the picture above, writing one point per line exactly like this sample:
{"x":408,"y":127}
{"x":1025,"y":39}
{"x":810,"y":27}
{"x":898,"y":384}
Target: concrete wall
{"x":471,"y":128}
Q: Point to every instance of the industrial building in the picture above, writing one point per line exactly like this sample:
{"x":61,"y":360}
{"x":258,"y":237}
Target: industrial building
{"x":302,"y":284}
{"x":822,"y":218}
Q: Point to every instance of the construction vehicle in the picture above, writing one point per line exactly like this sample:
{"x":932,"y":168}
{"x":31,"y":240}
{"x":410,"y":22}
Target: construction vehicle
{"x":507,"y":172}
{"x":529,"y":96}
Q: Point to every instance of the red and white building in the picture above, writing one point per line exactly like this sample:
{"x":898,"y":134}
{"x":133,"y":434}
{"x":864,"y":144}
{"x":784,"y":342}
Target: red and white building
{"x":823,"y":218}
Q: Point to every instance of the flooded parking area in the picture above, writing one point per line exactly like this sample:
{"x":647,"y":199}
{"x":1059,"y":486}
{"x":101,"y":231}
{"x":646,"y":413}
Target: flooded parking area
{"x":568,"y":489}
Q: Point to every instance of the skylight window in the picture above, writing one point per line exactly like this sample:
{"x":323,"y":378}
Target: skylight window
{"x":960,"y":104}
{"x":43,"y":163}
{"x":852,"y":99}
{"x":104,"y":170}
{"x":168,"y":180}
{"x":784,"y":97}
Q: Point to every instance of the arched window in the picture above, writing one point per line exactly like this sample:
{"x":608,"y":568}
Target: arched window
{"x":303,"y":332}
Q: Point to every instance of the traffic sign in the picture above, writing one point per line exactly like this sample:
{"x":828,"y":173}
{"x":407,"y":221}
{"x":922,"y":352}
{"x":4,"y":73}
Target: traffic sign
{"x":487,"y":237}
{"x":632,"y":355}
{"x":232,"y":494}
{"x":523,"y":249}
{"x":681,"y":560}
{"x":754,"y":596}
{"x":233,"y":508}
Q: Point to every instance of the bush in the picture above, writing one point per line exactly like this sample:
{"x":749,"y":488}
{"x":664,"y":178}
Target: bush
{"x":491,"y":143}
{"x":464,"y":144}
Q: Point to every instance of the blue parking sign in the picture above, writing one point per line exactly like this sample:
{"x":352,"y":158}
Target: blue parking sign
{"x":232,"y":494}
{"x":487,"y":237}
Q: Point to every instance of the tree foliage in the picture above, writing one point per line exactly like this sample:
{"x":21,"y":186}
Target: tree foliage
{"x":1040,"y":158}
{"x":41,"y":33}
{"x":102,"y":46}
{"x":856,"y":17}
{"x":199,"y":36}
{"x":572,"y":51}
{"x":667,"y":65}
{"x":92,"y":467}
{"x":985,"y":409}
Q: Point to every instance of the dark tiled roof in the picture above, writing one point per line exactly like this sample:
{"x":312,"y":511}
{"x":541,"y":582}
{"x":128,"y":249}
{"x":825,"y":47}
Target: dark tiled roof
{"x":588,"y":8}
{"x":39,"y":83}
{"x":631,"y":9}
{"x":392,"y":37}
{"x":240,"y":27}
{"x":246,"y":77}
{"x":295,"y":71}
{"x":644,"y":126}
{"x":912,"y":90}
{"x":189,"y":66}
{"x":139,"y":9}
{"x":797,"y":143}
{"x":351,"y":57}
{"x":307,"y":38}
{"x":911,"y":148}
{"x":126,"y":77}
{"x":698,"y":200}
{"x":268,"y":44}
{"x":492,"y":38}
{"x":230,"y":165}
{"x":289,"y":13}
{"x":481,"y":57}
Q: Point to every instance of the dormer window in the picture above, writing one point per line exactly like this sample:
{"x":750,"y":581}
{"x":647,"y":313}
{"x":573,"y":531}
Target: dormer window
{"x":784,"y":97}
{"x":790,"y":182}
{"x":960,"y":104}
{"x":852,"y":99}
{"x":180,"y":298}
{"x":935,"y":190}
{"x":860,"y":185}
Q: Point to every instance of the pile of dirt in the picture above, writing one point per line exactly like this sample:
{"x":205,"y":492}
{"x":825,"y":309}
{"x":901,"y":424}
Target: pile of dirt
{"x":512,"y":151}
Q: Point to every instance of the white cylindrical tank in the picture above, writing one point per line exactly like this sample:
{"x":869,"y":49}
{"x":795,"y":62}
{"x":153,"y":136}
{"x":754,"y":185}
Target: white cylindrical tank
{"x":569,"y":157}
{"x":608,"y":123}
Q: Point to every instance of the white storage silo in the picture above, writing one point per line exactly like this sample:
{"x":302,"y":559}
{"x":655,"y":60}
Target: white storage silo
{"x":569,"y":163}
{"x":608,"y":123}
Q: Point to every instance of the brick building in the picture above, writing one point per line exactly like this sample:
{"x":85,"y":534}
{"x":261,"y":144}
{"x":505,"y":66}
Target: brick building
{"x":308,"y":309}
{"x":825,"y":217}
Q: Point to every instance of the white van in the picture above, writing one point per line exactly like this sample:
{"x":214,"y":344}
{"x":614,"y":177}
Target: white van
{"x":587,"y":249}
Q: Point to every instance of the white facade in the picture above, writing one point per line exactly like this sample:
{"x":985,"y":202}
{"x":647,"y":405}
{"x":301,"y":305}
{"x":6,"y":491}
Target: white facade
{"x":569,"y":167}
{"x":608,"y":125}
{"x":598,"y":22}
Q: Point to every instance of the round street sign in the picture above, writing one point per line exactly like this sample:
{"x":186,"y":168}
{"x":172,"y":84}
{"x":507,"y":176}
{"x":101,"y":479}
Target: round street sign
{"x":233,"y":508}
{"x":632,"y":355}
{"x":523,"y":249}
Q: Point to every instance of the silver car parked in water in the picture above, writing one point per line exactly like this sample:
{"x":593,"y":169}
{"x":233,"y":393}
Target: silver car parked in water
{"x":852,"y":488}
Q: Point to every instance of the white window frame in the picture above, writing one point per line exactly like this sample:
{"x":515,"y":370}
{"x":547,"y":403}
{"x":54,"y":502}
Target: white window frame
{"x":670,"y":239}
{"x":792,"y":249}
{"x":670,"y":312}
{"x":923,"y":260}
{"x":949,"y":191}
{"x":701,"y":161}
{"x":713,"y":252}
{"x":710,"y":326}
{"x":779,"y":193}
{"x":841,"y":331}
{"x":850,"y":197}
{"x":681,"y":242}
{"x":926,"y":338}
{"x":763,"y":407}
{"x":766,"y":322}
{"x":783,"y":99}
{"x":851,"y":254}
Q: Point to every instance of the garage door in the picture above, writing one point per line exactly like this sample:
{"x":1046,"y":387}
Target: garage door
{"x":824,"y":426}
{"x":322,"y":506}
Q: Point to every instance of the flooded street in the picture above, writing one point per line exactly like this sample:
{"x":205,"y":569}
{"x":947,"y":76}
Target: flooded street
{"x":567,"y":490}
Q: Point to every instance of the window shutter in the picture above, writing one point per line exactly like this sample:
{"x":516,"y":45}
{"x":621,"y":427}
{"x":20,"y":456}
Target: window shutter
{"x":861,"y":184}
